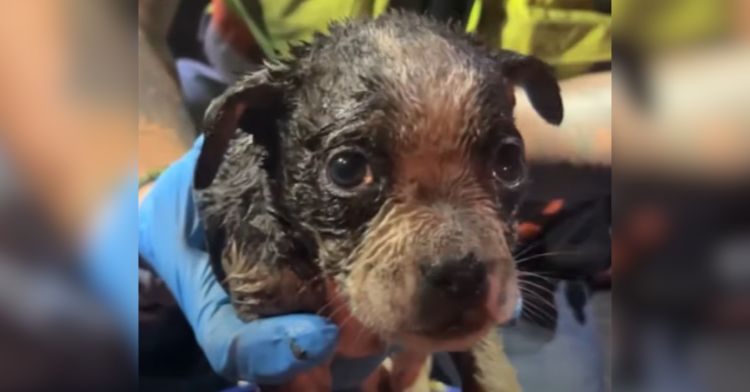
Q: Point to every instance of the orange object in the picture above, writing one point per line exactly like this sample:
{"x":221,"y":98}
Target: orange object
{"x":553,"y":207}
{"x":528,"y":230}
{"x":234,"y":30}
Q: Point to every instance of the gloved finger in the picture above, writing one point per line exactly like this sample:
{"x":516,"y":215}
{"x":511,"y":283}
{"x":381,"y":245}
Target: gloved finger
{"x":268,"y":351}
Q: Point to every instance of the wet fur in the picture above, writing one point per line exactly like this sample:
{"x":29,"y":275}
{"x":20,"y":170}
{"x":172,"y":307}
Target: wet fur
{"x":421,"y":99}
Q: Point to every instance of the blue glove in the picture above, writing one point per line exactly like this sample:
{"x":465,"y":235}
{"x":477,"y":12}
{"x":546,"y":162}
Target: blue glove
{"x":171,"y":240}
{"x":110,"y":251}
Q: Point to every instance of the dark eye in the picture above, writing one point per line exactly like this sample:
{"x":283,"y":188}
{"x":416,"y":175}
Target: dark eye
{"x":508,"y":162}
{"x":349,"y":169}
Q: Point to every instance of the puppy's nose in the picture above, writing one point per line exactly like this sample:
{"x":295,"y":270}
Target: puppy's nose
{"x":462,"y":278}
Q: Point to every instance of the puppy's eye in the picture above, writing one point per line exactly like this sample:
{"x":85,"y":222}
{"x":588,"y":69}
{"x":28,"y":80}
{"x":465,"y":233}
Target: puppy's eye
{"x":508,"y":162}
{"x":349,"y":169}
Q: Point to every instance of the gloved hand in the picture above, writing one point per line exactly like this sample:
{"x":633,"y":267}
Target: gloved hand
{"x":171,"y":240}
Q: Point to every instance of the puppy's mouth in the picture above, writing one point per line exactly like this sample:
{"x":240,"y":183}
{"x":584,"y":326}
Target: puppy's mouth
{"x":464,"y":323}
{"x":461,"y":316}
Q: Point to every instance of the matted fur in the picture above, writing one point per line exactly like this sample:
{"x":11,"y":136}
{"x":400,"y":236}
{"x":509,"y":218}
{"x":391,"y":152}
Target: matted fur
{"x":428,"y":106}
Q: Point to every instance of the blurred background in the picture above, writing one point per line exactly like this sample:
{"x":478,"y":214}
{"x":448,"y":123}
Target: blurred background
{"x":68,"y":245}
{"x":636,"y":232}
{"x":681,"y":173}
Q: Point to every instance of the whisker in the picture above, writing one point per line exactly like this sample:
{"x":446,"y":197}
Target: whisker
{"x":541,"y":311}
{"x":551,"y":274}
{"x":522,"y":274}
{"x":527,"y":314}
{"x":532,"y":284}
{"x":537,"y":299}
{"x":538,"y":317}
{"x":544,"y":254}
{"x":338,"y":309}
{"x":541,"y":302}
{"x":325,"y":307}
{"x":526,"y":249}
{"x":531,"y":290}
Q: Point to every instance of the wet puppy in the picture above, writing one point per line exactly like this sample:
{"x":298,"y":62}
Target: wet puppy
{"x":376,"y":185}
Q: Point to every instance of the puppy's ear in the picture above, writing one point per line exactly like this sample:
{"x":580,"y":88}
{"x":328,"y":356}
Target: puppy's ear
{"x":255,"y":96}
{"x":537,"y":80}
{"x":232,"y":186}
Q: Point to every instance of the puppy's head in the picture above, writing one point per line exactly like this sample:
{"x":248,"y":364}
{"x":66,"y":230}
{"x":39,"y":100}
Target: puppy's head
{"x":389,"y":156}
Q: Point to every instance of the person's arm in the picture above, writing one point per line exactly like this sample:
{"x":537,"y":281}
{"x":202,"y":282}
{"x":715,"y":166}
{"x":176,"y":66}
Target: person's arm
{"x":585,"y":135}
{"x":695,"y":129}
{"x":576,"y":152}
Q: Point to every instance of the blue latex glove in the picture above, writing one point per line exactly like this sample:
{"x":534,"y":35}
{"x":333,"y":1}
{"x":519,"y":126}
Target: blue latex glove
{"x":110,"y":252}
{"x":171,"y":240}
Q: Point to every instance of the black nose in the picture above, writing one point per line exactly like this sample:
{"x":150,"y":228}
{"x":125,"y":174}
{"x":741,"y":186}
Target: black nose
{"x":459,"y":278}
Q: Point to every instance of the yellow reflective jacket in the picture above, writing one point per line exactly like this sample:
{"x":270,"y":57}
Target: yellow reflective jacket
{"x":568,"y":34}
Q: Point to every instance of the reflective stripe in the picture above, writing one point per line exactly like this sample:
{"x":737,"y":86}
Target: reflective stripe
{"x":379,"y":6}
{"x":569,"y":39}
{"x":260,"y":38}
{"x":474,"y":15}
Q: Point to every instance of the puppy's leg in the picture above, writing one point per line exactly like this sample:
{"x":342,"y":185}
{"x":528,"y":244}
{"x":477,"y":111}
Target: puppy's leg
{"x":486,"y":368}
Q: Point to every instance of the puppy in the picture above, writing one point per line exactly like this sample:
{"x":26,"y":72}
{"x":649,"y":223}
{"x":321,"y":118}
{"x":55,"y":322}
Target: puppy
{"x":376,"y":185}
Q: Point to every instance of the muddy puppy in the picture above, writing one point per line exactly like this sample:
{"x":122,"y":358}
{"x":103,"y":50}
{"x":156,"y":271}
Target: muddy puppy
{"x":376,"y":185}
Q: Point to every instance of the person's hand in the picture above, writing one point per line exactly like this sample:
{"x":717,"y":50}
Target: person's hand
{"x":171,"y":240}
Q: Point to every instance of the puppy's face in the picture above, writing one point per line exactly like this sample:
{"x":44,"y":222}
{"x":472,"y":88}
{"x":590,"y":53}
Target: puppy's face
{"x":397,"y":169}
{"x":403,"y":163}
{"x":414,"y":214}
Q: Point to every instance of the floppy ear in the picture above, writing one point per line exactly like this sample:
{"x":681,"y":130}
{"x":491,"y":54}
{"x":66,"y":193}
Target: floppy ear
{"x":537,"y":80}
{"x":251,"y":248}
{"x":255,"y":96}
